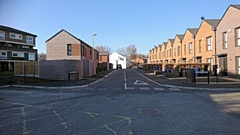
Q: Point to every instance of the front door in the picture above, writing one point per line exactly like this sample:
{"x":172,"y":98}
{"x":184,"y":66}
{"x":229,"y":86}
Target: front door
{"x":223,"y":66}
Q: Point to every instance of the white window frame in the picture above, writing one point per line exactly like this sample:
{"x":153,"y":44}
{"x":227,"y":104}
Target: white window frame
{"x":29,"y":41}
{"x":209,"y":43}
{"x":17,"y":36}
{"x":31,"y":56}
{"x":238,"y":65}
{"x":238,"y":36}
{"x":224,"y":40}
{"x":3,"y":56}
{"x":190,"y":48}
{"x":19,"y":54}
{"x":2,"y":35}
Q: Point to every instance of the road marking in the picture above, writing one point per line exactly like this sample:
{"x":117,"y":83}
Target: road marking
{"x":89,"y":88}
{"x":125,"y":85}
{"x":102,"y":88}
{"x":159,"y":89}
{"x":148,"y":78}
{"x":144,"y":88}
{"x":138,"y":82}
{"x":174,"y":89}
{"x":116,"y":88}
{"x":131,"y":88}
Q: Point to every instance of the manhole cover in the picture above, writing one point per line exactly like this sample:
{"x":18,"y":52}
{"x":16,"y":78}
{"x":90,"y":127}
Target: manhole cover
{"x":150,"y":111}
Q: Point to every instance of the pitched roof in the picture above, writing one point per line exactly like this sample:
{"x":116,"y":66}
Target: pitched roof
{"x":164,"y":43}
{"x":171,"y":40}
{"x":213,"y":22}
{"x":180,"y":36}
{"x":15,"y":30}
{"x":70,"y":35}
{"x":236,"y":6}
{"x":193,"y":30}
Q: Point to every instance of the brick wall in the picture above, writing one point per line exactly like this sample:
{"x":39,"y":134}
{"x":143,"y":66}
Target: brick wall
{"x":229,"y":22}
{"x":59,"y":69}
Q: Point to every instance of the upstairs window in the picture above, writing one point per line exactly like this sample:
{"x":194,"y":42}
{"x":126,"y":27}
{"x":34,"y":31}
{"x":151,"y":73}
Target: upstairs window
{"x":190,"y":48}
{"x":16,"y":36}
{"x":238,"y":36}
{"x":178,"y":51}
{"x":209,"y":43}
{"x":2,"y":35}
{"x":29,"y":39}
{"x":185,"y":47}
{"x":225,"y":40}
{"x":200,"y":46}
{"x":69,"y":49}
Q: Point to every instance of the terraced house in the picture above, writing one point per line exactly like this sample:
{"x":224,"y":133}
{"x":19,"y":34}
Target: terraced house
{"x":17,"y":51}
{"x":214,"y":45}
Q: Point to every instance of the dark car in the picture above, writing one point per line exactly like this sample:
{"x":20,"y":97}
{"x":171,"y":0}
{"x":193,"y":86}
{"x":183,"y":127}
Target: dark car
{"x":119,"y":66}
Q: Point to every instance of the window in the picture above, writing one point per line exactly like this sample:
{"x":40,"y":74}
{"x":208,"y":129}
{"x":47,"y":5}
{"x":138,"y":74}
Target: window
{"x":178,"y":51}
{"x":2,"y":35}
{"x":31,"y":56}
{"x":120,"y":58}
{"x":29,"y":39}
{"x":90,"y":52}
{"x":191,"y":61}
{"x":26,"y":47}
{"x":190,"y":48}
{"x":18,"y":54}
{"x":209,"y":43}
{"x":238,"y":36}
{"x":225,"y":40}
{"x":100,"y":58}
{"x":238,"y":65}
{"x":69,"y":49}
{"x":185,"y":47}
{"x":174,"y":52}
{"x":3,"y":55}
{"x":170,"y":53}
{"x":200,"y":46}
{"x":16,"y":36}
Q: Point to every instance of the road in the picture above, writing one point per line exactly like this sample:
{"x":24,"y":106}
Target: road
{"x":123,"y":103}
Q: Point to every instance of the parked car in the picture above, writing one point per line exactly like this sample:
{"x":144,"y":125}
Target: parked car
{"x":119,"y":66}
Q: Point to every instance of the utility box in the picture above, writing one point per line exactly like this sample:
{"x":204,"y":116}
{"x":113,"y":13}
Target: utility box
{"x":191,"y":76}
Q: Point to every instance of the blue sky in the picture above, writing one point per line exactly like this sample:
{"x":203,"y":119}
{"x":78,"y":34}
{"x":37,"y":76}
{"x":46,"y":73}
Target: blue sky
{"x":118,"y":23}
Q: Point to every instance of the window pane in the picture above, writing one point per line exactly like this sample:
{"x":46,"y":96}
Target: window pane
{"x":238,"y":32}
{"x":238,"y":42}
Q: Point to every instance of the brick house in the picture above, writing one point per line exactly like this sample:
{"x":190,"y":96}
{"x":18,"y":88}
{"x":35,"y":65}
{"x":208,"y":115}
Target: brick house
{"x":188,"y":42}
{"x":177,"y":45}
{"x":205,"y":43}
{"x":228,"y":42}
{"x":64,"y":48}
{"x":103,"y":60}
{"x":17,"y":51}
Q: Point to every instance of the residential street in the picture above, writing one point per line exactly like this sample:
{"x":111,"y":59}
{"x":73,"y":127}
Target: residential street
{"x":124,"y":102}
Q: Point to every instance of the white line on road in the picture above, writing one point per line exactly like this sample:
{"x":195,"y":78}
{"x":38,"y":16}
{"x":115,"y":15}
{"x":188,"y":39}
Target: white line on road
{"x":174,"y":89}
{"x":144,"y":88}
{"x":159,"y":89}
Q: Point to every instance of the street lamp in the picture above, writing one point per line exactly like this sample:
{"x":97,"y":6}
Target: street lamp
{"x":93,"y":45}
{"x":93,"y":51}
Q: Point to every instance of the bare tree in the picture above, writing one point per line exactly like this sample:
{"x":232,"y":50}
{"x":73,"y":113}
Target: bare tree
{"x":103,"y":48}
{"x":41,"y":56}
{"x":131,"y":51}
{"x":122,"y":51}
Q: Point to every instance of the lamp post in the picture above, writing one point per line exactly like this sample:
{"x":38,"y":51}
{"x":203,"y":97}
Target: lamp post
{"x":93,"y":51}
{"x":93,"y":44}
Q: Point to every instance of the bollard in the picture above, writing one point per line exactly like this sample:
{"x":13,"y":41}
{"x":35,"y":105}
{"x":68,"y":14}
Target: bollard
{"x":208,"y":77}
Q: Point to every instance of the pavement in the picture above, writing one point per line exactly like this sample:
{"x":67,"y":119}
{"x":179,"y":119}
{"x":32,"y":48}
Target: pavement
{"x":215,"y":83}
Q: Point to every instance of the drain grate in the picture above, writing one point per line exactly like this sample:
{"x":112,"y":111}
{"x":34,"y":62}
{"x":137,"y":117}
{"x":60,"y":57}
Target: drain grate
{"x":150,"y":111}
